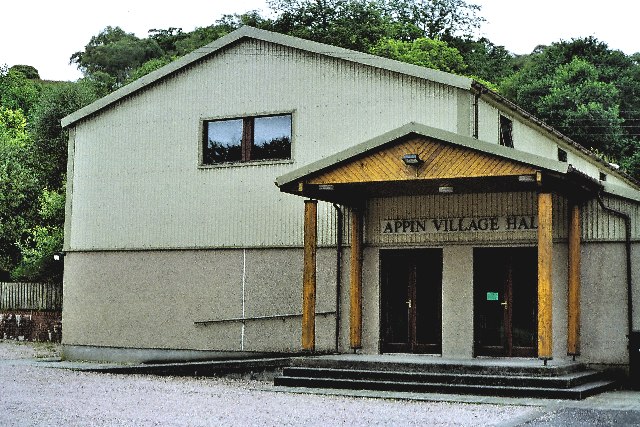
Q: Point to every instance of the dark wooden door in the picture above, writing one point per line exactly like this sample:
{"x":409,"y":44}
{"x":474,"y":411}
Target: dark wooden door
{"x":505,"y":301}
{"x":411,"y":300}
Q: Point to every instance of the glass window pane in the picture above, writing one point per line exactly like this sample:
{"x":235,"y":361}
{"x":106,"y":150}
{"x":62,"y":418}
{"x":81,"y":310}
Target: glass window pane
{"x":271,"y":138}
{"x":223,"y":141}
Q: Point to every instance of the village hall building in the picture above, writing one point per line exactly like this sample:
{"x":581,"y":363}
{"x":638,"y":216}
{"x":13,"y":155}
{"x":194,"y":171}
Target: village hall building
{"x":267,"y":194}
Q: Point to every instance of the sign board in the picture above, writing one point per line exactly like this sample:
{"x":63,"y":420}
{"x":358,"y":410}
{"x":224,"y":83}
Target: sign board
{"x":459,"y":224}
{"x":492,"y":296}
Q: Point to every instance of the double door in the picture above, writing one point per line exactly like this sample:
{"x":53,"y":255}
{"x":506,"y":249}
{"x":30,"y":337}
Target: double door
{"x":505,"y":301}
{"x":411,"y":301}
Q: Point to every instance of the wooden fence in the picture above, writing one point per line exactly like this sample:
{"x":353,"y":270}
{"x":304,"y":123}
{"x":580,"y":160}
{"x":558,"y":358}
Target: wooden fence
{"x":31,"y":296}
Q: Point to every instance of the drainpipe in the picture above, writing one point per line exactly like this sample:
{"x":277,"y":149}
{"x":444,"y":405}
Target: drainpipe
{"x":476,"y":114}
{"x":479,"y":90}
{"x":339,"y":215}
{"x":627,"y":227}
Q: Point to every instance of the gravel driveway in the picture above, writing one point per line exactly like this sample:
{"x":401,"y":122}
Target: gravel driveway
{"x":32,"y":394}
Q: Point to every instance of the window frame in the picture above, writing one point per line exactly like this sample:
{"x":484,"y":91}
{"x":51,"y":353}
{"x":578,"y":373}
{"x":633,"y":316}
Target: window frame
{"x":248,"y":134}
{"x":563,"y":156}
{"x":501,"y":134}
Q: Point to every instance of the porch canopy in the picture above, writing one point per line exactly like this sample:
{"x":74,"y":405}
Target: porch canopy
{"x":419,"y":160}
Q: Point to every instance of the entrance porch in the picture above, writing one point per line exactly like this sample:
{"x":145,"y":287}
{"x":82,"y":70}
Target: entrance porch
{"x":467,"y":199}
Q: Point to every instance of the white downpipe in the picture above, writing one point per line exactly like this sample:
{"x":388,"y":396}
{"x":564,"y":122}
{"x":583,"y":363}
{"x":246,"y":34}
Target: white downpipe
{"x":244,"y":277}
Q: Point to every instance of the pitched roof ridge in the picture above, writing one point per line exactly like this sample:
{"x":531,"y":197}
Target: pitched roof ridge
{"x":272,"y":37}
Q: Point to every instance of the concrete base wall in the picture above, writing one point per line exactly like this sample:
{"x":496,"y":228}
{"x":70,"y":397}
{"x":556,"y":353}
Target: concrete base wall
{"x":153,"y":299}
{"x":604,"y":303}
{"x":135,"y":304}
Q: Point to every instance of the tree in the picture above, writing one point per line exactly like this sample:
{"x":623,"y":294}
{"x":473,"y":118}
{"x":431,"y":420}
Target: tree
{"x":200,"y":37}
{"x":49,"y":140}
{"x":17,"y":92}
{"x":148,"y":67}
{"x":13,"y":126}
{"x":116,"y":53}
{"x":28,"y":71}
{"x":580,"y":105}
{"x":352,"y":24}
{"x":425,"y":52}
{"x":437,"y":18}
{"x":588,"y":91}
{"x":167,"y":39}
{"x":19,"y":188}
{"x":43,"y":240}
{"x":485,"y":60}
{"x":33,"y":159}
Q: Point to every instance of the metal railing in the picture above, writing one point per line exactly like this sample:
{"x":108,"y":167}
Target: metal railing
{"x":253,"y":318}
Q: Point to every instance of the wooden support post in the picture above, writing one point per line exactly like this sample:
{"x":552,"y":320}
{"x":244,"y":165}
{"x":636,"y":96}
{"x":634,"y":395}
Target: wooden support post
{"x":545,"y":255}
{"x":573,"y":300}
{"x":309,"y":276}
{"x":355,"y":320}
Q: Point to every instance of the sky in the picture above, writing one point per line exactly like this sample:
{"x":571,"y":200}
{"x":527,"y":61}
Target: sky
{"x":45,"y":33}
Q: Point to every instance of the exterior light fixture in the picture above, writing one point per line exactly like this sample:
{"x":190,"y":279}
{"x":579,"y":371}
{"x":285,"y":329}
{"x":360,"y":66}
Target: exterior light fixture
{"x":411,"y":159}
{"x":326,"y":187}
{"x":526,"y":178}
{"x":57,"y":256}
{"x":446,"y":189}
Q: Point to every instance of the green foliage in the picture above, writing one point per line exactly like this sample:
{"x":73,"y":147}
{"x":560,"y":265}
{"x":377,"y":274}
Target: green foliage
{"x":49,"y":139}
{"x":587,"y":91}
{"x":116,"y":53}
{"x":437,"y":18}
{"x":485,"y":60}
{"x":148,"y":67}
{"x":429,"y":53}
{"x":167,"y":39}
{"x":631,"y":162}
{"x":13,"y":126}
{"x":580,"y":105}
{"x":17,"y":92}
{"x":27,"y":70}
{"x":33,"y":156}
{"x":99,"y":83}
{"x":198,"y":38}
{"x":352,"y":24}
{"x":19,"y":187}
{"x":42,"y":241}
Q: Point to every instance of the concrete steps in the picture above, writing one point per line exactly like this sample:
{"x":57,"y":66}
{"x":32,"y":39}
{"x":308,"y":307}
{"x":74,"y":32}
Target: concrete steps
{"x":570,"y":381}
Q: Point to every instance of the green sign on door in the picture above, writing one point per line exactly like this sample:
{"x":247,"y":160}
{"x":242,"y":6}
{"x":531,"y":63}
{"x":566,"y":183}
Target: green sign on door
{"x":492,"y":296}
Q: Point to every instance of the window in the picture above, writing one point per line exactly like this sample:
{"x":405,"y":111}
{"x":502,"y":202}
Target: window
{"x":562,"y":155}
{"x":506,"y":131}
{"x":247,"y":139}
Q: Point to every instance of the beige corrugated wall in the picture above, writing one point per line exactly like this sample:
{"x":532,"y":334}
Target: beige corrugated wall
{"x":137,"y":183}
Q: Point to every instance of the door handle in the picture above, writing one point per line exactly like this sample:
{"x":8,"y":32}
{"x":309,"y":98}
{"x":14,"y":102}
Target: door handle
{"x":504,"y":304}
{"x":409,"y":303}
